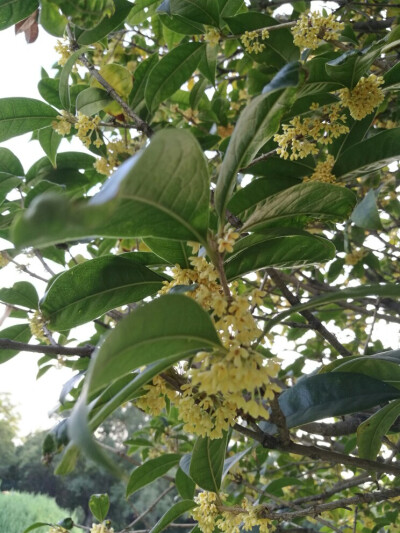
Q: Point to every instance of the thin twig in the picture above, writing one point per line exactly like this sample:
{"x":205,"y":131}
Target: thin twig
{"x":81,"y":351}
{"x":148,"y":510}
{"x":45,"y":265}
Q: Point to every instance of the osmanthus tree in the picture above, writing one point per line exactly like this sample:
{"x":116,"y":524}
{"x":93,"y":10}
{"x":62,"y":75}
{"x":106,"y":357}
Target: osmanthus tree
{"x":247,"y":163}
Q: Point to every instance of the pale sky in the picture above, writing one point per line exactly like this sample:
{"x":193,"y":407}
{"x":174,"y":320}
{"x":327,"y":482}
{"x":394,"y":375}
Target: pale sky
{"x":20,"y":65}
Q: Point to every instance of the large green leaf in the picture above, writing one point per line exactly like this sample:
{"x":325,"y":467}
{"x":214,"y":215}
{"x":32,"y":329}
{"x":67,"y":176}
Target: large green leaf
{"x":207,"y":462}
{"x":51,"y":19}
{"x":136,"y":98}
{"x":18,"y":333}
{"x":311,"y":198}
{"x":99,"y":505}
{"x":370,"y":432}
{"x":88,"y":290}
{"x":390,"y":290}
{"x":86,"y":13}
{"x":21,"y":293}
{"x":280,"y":249}
{"x":150,"y":471}
{"x":22,"y":115}
{"x":365,"y":214}
{"x":108,"y":24}
{"x":12,"y":11}
{"x":171,"y":72}
{"x":177,"y":510}
{"x":257,"y":124}
{"x":173,"y":324}
{"x":161,"y":192}
{"x":369,"y":155}
{"x":333,"y":394}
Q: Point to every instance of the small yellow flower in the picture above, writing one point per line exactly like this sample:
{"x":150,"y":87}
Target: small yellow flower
{"x":251,"y":40}
{"x":64,"y":51}
{"x":323,"y":171}
{"x":226,"y":242}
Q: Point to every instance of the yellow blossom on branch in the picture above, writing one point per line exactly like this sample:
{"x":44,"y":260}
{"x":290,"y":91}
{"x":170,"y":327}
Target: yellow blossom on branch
{"x":251,"y":40}
{"x":64,"y":51}
{"x":311,"y":28}
{"x":226,"y":242}
{"x":323,"y":171}
{"x":364,"y":97}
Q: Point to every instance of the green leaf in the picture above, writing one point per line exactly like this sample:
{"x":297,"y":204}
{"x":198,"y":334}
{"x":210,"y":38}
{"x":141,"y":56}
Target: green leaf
{"x":66,"y":523}
{"x":86,"y":13}
{"x":22,"y":115}
{"x":181,"y":25}
{"x":65,"y":162}
{"x":370,"y":432}
{"x":88,"y":290}
{"x":365,"y":214}
{"x":68,"y":461}
{"x":172,"y":251}
{"x":350,"y":66}
{"x":21,"y":293}
{"x":333,"y":394}
{"x":19,"y":333}
{"x":245,"y":199}
{"x":150,"y":471}
{"x":64,"y":90}
{"x":207,"y":462}
{"x":234,"y":459}
{"x":208,"y":62}
{"x":172,"y":324}
{"x":49,"y":140}
{"x":184,"y":485}
{"x":161,"y":192}
{"x":49,"y":91}
{"x":10,"y":163}
{"x":51,"y":19}
{"x":177,"y":510}
{"x":171,"y":72}
{"x":136,"y":98}
{"x":311,"y":198}
{"x":99,"y":504}
{"x":8,"y":182}
{"x":369,"y":155}
{"x":257,"y":124}
{"x":107,"y":25}
{"x":389,"y":289}
{"x":281,"y":249}
{"x":92,"y":100}
{"x":385,"y":370}
{"x":12,"y":11}
{"x":203,"y":11}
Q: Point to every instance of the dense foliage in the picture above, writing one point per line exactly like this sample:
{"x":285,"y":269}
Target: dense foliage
{"x":230,"y":233}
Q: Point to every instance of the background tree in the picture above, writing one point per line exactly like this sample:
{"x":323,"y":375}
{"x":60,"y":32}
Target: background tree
{"x":251,"y":209}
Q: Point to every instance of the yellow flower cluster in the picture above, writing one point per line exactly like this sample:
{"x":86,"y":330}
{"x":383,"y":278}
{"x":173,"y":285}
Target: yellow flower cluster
{"x":84,"y":124}
{"x":301,"y":135}
{"x":63,"y":124}
{"x":226,"y":242}
{"x":64,"y":51}
{"x":37,"y":325}
{"x":153,"y":401}
{"x":245,"y":517}
{"x":251,"y":41}
{"x":355,"y":256}
{"x":212,"y":36}
{"x":4,"y":259}
{"x":101,"y":528}
{"x":311,"y":28}
{"x":364,"y":97}
{"x":116,"y":151}
{"x":323,"y":171}
{"x":221,"y":383}
{"x":57,"y":529}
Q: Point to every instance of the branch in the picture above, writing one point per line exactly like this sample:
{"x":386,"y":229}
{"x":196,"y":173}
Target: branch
{"x":81,"y":351}
{"x":312,"y":320}
{"x":140,"y":124}
{"x":148,"y":510}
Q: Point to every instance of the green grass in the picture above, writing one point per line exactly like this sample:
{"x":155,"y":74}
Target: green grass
{"x":18,"y":510}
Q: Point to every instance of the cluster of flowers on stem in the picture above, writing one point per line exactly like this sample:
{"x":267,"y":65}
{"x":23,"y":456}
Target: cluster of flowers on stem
{"x":219,"y":384}
{"x":313,"y":27}
{"x":251,"y":40}
{"x":210,"y":513}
